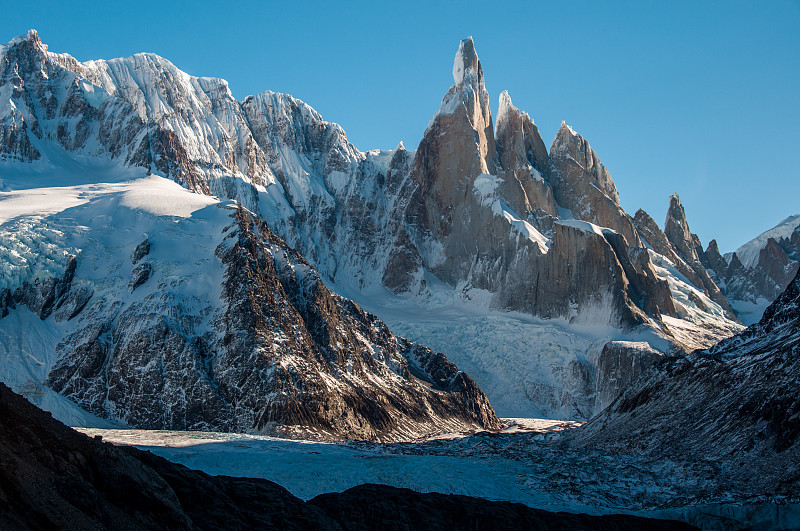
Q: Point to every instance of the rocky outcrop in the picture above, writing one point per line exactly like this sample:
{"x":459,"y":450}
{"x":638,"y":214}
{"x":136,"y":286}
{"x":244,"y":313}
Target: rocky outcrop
{"x":52,"y":295}
{"x":142,"y":250}
{"x":279,"y":353}
{"x":140,"y":275}
{"x":620,"y":364}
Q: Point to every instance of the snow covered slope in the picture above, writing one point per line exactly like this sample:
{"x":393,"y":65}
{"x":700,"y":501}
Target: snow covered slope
{"x":158,"y":307}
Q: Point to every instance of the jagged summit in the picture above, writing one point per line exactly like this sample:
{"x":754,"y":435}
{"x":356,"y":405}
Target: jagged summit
{"x":519,"y":144}
{"x":466,"y":62}
{"x":749,"y":252}
{"x":567,"y":128}
{"x":758,"y":271}
{"x":677,"y":230}
{"x":568,"y":144}
{"x":31,"y":35}
{"x":503,"y":107}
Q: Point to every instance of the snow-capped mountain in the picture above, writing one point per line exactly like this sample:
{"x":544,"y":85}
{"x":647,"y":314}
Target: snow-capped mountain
{"x":477,"y":215}
{"x":758,"y":271}
{"x":177,"y":311}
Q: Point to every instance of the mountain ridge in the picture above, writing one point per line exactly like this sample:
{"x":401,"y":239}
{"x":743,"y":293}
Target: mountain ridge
{"x":535,"y":232}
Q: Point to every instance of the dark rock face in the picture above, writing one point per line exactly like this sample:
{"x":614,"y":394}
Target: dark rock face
{"x":736,"y":404}
{"x":140,"y":275}
{"x":620,"y":364}
{"x":54,"y":296}
{"x":588,"y":256}
{"x":55,"y":478}
{"x":170,"y":158}
{"x":286,"y":355}
{"x":142,"y":250}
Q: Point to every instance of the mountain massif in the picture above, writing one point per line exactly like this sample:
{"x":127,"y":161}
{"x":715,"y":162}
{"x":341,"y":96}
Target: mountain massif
{"x":189,"y":312}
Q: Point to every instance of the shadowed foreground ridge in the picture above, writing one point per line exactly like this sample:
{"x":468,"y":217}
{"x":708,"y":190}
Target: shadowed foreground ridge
{"x":736,"y":404}
{"x":53,"y":477}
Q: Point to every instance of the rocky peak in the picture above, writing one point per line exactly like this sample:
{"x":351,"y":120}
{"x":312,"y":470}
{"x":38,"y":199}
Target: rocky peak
{"x":457,"y":147}
{"x":518,"y":142}
{"x":677,"y":230}
{"x":582,"y":184}
{"x":759,"y":270}
{"x":27,"y":54}
{"x":569,"y":145}
{"x":28,"y":40}
{"x":468,"y":98}
{"x":713,"y":249}
{"x":466,"y":63}
{"x":693,"y":262}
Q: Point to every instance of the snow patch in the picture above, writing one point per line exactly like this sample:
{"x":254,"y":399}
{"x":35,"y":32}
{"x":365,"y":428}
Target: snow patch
{"x":586,"y":226}
{"x":484,"y":187}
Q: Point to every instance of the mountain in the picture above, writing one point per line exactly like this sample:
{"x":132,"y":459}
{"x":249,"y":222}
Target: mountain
{"x":758,"y":271}
{"x":480,"y":215}
{"x":176,"y":311}
{"x":735,"y":404}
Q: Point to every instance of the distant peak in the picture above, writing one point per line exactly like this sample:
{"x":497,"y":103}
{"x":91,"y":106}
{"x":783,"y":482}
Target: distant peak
{"x":400,"y":147}
{"x":466,"y":61}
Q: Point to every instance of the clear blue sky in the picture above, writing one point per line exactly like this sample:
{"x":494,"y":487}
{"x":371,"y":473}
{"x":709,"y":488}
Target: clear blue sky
{"x":699,"y":98}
